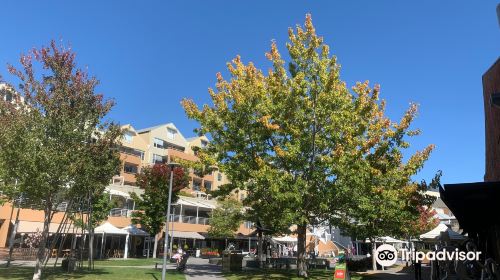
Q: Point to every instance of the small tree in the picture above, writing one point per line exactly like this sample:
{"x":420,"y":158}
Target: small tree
{"x":152,"y":204}
{"x":226,"y":219}
{"x":45,"y":138}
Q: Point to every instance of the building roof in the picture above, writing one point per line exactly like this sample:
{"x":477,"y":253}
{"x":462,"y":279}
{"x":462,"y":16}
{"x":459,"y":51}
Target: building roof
{"x":155,"y":127}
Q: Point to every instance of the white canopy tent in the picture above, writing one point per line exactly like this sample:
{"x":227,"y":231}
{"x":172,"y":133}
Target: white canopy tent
{"x":285,"y":239}
{"x":385,"y":239}
{"x":132,"y":230}
{"x":435,"y":234}
{"x":108,"y":229}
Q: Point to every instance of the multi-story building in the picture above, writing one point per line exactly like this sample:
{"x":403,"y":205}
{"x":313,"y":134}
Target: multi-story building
{"x":191,"y":213}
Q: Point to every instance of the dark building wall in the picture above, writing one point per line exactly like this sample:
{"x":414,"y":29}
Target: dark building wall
{"x":491,"y":84}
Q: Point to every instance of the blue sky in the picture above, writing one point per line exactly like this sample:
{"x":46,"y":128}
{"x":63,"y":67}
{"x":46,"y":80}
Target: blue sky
{"x":149,"y":56}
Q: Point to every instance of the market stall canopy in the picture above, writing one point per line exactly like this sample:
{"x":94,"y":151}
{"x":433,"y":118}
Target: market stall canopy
{"x":285,"y":238}
{"x":108,"y":228}
{"x":385,"y":239}
{"x":435,"y":234}
{"x":186,"y":234}
{"x":133,"y":230}
{"x":475,"y":205}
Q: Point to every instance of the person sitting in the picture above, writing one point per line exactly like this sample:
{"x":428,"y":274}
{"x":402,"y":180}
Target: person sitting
{"x":178,"y":256}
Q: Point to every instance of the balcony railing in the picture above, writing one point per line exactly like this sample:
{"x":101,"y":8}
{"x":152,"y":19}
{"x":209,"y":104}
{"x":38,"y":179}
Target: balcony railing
{"x":120,"y":212}
{"x":189,"y":219}
{"x":131,"y":151}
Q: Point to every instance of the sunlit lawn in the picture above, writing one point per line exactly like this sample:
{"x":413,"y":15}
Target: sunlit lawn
{"x":127,"y":262}
{"x":100,"y":272}
{"x":285,"y":274}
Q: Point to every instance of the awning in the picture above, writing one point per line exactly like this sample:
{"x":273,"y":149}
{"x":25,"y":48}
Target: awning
{"x":475,"y":205}
{"x":118,"y":193}
{"x":195,"y":203}
{"x":435,"y":234}
{"x":110,"y":229}
{"x":285,"y":238}
{"x":28,"y":227}
{"x":133,"y":230}
{"x":186,"y":234}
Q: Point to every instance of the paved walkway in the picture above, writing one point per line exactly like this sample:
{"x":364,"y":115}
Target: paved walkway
{"x":398,"y":273}
{"x":199,"y":269}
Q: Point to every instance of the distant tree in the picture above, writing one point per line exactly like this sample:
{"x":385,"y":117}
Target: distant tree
{"x":45,"y":140}
{"x":226,"y":219}
{"x":152,"y":204}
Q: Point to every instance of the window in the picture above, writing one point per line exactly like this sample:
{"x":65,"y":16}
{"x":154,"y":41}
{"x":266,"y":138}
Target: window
{"x":208,"y":186}
{"x":248,"y":224}
{"x":158,"y":143}
{"x":130,"y":168}
{"x":127,"y":136}
{"x":157,"y":159}
{"x":171,"y":133}
{"x":219,"y":177}
{"x":8,"y":97}
{"x":204,"y":143}
{"x":196,"y":185}
{"x":141,"y":153}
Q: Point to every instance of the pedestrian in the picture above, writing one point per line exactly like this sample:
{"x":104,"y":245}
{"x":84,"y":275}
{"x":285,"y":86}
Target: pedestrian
{"x":417,"y":265}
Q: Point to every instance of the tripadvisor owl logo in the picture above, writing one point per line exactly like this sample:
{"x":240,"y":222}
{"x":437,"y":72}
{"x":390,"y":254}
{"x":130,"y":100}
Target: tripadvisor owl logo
{"x":386,"y":255}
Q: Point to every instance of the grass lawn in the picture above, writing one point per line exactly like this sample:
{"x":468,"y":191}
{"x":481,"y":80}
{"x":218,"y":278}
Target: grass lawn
{"x":106,"y":273}
{"x":127,"y":262}
{"x":319,"y":274}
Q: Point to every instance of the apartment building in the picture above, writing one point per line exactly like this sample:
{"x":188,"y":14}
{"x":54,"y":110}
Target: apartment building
{"x":190,"y":217}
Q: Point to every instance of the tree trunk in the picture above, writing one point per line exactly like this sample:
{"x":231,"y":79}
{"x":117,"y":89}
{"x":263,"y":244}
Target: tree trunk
{"x":301,"y":251}
{"x":155,"y":247}
{"x":14,"y":232}
{"x":374,"y":252}
{"x":260,"y":250}
{"x":43,"y":243}
{"x":90,"y":228}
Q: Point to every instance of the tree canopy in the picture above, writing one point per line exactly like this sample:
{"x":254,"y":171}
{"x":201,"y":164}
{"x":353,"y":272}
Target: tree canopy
{"x":302,"y":143}
{"x":152,"y":204}
{"x":53,"y":134}
{"x":226,"y":218}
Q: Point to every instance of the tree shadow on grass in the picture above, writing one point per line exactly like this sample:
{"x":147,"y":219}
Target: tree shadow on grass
{"x":49,"y":273}
{"x":315,"y":274}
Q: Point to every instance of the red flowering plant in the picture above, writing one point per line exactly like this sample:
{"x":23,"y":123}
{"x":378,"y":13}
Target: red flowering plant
{"x":152,"y":204}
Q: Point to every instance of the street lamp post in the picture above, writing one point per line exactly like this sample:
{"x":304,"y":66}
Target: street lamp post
{"x":165,"y":245}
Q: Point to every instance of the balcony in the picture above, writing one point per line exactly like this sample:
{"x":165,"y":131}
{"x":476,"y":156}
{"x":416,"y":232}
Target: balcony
{"x":120,"y":212}
{"x":131,"y":151}
{"x":189,"y":219}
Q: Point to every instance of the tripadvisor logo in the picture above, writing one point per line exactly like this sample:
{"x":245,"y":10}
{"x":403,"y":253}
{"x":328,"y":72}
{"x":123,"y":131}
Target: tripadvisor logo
{"x":386,"y":255}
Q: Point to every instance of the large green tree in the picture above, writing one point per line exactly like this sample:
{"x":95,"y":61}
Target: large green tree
{"x":290,"y":138}
{"x":152,"y":204}
{"x":48,"y":133}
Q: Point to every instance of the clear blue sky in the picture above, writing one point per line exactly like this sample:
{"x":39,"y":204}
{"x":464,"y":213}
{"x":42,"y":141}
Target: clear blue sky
{"x":149,"y":56}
